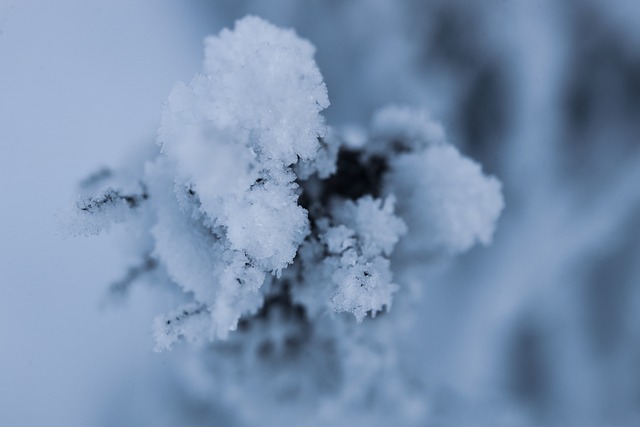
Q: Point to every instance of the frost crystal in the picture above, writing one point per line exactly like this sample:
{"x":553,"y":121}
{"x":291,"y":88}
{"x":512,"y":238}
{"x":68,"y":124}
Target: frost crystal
{"x":278,"y":230}
{"x":234,"y":132}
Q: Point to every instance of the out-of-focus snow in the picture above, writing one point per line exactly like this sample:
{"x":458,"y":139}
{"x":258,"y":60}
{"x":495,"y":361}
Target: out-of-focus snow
{"x":446,"y":199}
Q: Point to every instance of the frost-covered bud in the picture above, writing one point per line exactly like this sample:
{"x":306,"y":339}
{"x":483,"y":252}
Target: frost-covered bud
{"x":398,"y":129}
{"x":235,"y":130}
{"x":373,"y":221}
{"x":263,"y":79}
{"x":267,"y":224}
{"x":362,"y":286}
{"x":445,"y":199}
{"x":347,"y":269}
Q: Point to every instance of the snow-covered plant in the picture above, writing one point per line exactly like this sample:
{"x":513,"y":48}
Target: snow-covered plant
{"x":284,"y":235}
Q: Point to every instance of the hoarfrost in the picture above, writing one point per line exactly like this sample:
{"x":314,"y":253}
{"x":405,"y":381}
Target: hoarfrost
{"x":445,"y":198}
{"x":278,"y":230}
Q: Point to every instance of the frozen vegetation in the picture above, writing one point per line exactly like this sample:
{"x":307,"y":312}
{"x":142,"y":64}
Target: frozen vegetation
{"x":282,"y":232}
{"x":453,"y":242}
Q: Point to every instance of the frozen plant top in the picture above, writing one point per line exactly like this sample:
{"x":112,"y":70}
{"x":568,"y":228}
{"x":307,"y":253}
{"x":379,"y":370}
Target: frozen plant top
{"x":254,"y":199}
{"x":234,"y":132}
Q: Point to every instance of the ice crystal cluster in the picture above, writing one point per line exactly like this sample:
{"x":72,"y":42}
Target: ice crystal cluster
{"x":282,"y":233}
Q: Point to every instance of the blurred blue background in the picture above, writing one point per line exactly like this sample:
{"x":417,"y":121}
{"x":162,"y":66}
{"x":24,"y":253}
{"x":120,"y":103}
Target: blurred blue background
{"x":543,"y":327}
